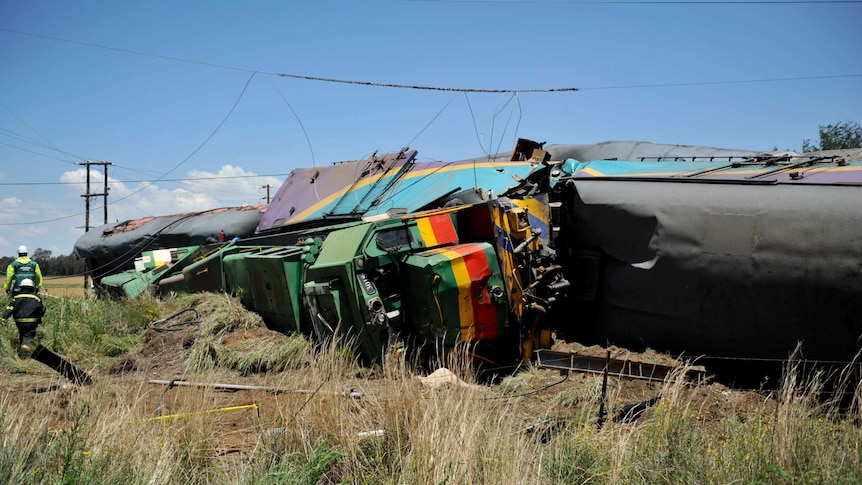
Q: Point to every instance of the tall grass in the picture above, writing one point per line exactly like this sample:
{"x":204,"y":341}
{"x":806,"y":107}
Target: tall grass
{"x":88,"y":328}
{"x":402,"y":430}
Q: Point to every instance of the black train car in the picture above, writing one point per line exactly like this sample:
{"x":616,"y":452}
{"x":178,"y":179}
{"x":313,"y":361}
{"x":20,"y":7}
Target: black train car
{"x":732,"y":262}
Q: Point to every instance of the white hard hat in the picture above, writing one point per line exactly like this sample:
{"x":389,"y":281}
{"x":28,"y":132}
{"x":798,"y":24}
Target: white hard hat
{"x":22,"y":249}
{"x":27,"y":282}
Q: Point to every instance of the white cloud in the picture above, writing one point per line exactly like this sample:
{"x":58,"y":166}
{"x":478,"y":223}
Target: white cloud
{"x":9,"y":209}
{"x":232,"y":185}
{"x":142,"y":199}
{"x":53,"y":219}
{"x":22,"y":226}
{"x":24,"y":210}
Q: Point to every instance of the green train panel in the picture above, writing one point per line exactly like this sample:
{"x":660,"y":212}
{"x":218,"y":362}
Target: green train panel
{"x":455,"y":294}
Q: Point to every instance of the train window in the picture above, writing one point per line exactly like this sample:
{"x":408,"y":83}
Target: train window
{"x":393,"y":239}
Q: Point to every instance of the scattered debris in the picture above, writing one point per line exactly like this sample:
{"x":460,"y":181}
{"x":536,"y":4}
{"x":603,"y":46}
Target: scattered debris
{"x":255,"y":406}
{"x":544,"y":429}
{"x":440,"y":377}
{"x":631,"y":412}
{"x":573,"y":362}
{"x":61,"y":365}
{"x":240,"y":387}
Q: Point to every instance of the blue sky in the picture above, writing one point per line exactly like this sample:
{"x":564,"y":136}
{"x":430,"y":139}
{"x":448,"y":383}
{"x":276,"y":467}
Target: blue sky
{"x":179,"y":91}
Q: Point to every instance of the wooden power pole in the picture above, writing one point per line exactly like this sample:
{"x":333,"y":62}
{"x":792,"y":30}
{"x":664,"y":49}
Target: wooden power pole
{"x":87,"y":197}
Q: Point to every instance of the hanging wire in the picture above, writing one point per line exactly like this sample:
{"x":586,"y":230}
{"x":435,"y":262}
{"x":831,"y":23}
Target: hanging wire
{"x":432,"y":120}
{"x":295,"y":115}
{"x":509,"y":120}
{"x":187,"y":158}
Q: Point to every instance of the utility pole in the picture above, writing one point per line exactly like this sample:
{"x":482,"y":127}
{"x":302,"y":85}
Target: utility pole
{"x":267,"y":192}
{"x":86,"y":197}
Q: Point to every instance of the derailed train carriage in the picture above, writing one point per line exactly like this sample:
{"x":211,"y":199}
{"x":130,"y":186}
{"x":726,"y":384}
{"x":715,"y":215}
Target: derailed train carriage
{"x":734,"y":262}
{"x":718,"y":253}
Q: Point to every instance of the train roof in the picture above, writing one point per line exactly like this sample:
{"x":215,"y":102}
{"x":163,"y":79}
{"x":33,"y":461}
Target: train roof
{"x":125,"y":240}
{"x":392,"y":183}
{"x":837,"y":167}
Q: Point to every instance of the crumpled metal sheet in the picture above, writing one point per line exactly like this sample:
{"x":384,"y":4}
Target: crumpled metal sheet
{"x":392,"y":182}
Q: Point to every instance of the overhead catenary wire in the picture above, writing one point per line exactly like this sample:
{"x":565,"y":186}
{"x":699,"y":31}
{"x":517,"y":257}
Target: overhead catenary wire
{"x":411,"y":86}
{"x":433,"y":119}
{"x":514,"y":96}
{"x":298,"y":120}
{"x":445,"y":88}
{"x":397,"y":85}
{"x":291,"y":75}
{"x":727,"y":81}
{"x":476,"y":126}
{"x":424,"y":87}
{"x":301,"y":126}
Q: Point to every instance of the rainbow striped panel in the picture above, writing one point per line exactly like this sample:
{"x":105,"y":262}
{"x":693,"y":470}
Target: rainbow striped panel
{"x":457,"y":301}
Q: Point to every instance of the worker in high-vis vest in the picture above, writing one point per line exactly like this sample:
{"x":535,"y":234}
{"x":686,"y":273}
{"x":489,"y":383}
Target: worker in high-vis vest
{"x":22,"y":268}
{"x":27,"y":310}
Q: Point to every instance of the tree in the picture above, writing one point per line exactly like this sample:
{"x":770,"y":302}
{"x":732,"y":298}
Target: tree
{"x":41,"y":254}
{"x":70,"y":265}
{"x":846,"y":134}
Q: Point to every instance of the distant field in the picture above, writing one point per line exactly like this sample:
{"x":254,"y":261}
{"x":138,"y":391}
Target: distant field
{"x":61,"y":286}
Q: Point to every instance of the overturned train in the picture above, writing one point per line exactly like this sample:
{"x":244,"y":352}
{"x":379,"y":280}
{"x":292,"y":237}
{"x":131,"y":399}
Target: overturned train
{"x":714,"y":254}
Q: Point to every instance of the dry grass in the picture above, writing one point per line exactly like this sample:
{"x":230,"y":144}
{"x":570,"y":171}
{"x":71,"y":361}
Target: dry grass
{"x":304,"y":426}
{"x":58,"y":286}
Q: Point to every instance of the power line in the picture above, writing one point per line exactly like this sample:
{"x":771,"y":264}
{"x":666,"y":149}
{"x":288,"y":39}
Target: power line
{"x":34,"y":130}
{"x":149,"y":184}
{"x":707,"y":83}
{"x":20,"y":137}
{"x":190,"y":155}
{"x":650,"y":2}
{"x":35,"y":153}
{"x":393,"y":85}
{"x":478,"y":90}
{"x":158,"y":180}
{"x":295,"y":115}
{"x":295,"y":76}
{"x":420,"y":87}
